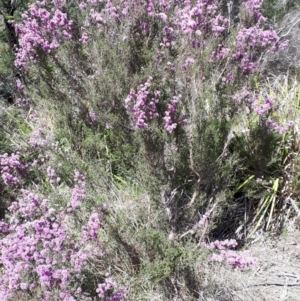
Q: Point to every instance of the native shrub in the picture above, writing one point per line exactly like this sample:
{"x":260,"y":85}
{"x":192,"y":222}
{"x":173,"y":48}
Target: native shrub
{"x":43,"y":30}
{"x":163,"y":80}
{"x":44,"y":254}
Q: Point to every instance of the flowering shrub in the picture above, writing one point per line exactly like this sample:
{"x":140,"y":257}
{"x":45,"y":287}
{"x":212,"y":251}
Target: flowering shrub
{"x":174,"y":63}
{"x":235,"y":259}
{"x":42,"y":29}
{"x":45,"y":27}
{"x":187,"y":28}
{"x":41,"y":256}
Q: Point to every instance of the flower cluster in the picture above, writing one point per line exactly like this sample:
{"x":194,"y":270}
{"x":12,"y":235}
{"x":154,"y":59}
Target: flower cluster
{"x":38,"y":137}
{"x":115,"y":12}
{"x":199,"y":227}
{"x":222,"y":244}
{"x":242,"y":97}
{"x":142,"y":104}
{"x":168,"y":38}
{"x":203,"y":18}
{"x":104,"y":287}
{"x":220,"y":53}
{"x":250,"y":43}
{"x":170,"y":114}
{"x":52,"y":176}
{"x":267,"y":109}
{"x":279,"y":128}
{"x":119,"y":295}
{"x":254,"y":7}
{"x":90,"y":231}
{"x":219,"y":25}
{"x":200,"y":18}
{"x":262,"y":106}
{"x":144,"y":108}
{"x":3,"y":227}
{"x":235,"y":259}
{"x":11,"y":167}
{"x":39,"y":254}
{"x":44,"y":28}
{"x":78,"y":192}
{"x":189,"y":61}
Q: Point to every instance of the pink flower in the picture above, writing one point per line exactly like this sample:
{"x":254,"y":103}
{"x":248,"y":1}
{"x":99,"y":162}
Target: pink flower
{"x":23,"y":286}
{"x":171,"y":236}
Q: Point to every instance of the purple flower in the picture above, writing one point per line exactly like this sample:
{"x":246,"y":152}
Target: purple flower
{"x":118,"y":295}
{"x":142,"y":105}
{"x":104,"y":287}
{"x":23,"y":286}
{"x":39,"y":29}
{"x":11,"y":168}
{"x":4,"y":227}
{"x":84,"y":38}
{"x":171,"y":121}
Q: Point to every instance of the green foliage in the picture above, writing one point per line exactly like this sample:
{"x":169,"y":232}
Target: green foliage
{"x":162,"y":255}
{"x":141,"y":45}
{"x":6,"y":59}
{"x":275,"y":10}
{"x":5,"y":144}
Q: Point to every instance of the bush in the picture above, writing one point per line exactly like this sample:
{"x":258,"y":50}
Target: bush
{"x":163,"y":106}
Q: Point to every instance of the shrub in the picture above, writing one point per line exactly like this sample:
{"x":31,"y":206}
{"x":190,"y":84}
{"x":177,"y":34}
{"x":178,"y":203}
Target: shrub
{"x":45,"y":251}
{"x":164,"y":98}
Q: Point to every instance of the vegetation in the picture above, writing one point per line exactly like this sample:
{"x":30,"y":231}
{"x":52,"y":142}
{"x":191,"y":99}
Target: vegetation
{"x":139,"y":140}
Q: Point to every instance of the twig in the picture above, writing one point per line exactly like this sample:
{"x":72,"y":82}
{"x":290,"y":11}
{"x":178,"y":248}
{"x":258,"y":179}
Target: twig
{"x":196,"y":191}
{"x":291,"y":26}
{"x":275,"y":284}
{"x":289,"y":275}
{"x":294,"y":206}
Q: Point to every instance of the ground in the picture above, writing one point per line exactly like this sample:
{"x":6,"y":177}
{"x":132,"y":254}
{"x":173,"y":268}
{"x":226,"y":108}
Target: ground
{"x":277,"y":276}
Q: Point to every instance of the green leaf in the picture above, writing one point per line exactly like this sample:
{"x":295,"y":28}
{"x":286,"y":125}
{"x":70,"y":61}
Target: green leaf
{"x":273,"y":199}
{"x":243,"y":184}
{"x":9,"y":17}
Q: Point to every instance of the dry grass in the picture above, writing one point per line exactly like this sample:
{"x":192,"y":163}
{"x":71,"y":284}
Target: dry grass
{"x":277,"y":276}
